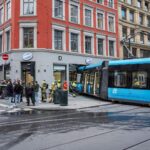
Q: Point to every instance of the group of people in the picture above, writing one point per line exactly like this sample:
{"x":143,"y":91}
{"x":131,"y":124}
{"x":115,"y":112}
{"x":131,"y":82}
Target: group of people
{"x":33,"y":91}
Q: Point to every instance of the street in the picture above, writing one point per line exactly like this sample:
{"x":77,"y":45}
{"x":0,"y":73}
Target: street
{"x":107,"y":127}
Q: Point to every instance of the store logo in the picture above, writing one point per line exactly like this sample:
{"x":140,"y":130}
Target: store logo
{"x":88,"y":61}
{"x":27,"y":56}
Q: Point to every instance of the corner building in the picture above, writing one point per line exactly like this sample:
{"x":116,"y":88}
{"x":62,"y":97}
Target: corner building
{"x":45,"y":38}
{"x":134,"y":20}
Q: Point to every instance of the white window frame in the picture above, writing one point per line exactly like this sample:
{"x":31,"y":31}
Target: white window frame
{"x":6,"y":14}
{"x":27,"y":25}
{"x":56,"y":27}
{"x":111,"y":15}
{"x":112,"y":39}
{"x":5,"y":44}
{"x":112,"y":4}
{"x":104,"y":44}
{"x":91,"y":9}
{"x":76,"y":4}
{"x":21,"y":9}
{"x":79,"y":40}
{"x":100,"y":3}
{"x":92,"y":44}
{"x":101,"y":12}
{"x":2,"y":6}
{"x":1,"y":33}
{"x":53,"y":14}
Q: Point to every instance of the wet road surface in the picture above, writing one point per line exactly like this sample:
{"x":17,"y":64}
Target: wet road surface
{"x":108,"y":127}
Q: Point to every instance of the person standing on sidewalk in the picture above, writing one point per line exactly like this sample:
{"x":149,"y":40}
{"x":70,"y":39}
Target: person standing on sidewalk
{"x":9,"y":91}
{"x":29,"y":91}
{"x":17,"y":92}
{"x":36,"y":91}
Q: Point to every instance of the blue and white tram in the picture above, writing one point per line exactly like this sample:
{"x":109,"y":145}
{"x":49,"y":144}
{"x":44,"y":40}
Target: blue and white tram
{"x":129,"y":80}
{"x":118,"y":80}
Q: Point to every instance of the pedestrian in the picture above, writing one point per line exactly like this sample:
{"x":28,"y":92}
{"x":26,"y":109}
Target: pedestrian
{"x":43,"y":90}
{"x":52,"y":91}
{"x":17,"y":92}
{"x":36,"y":91}
{"x":9,"y":90}
{"x":29,"y":94}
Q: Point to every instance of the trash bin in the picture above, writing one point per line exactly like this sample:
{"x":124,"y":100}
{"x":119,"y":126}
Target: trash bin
{"x":64,"y":98}
{"x":57,"y":96}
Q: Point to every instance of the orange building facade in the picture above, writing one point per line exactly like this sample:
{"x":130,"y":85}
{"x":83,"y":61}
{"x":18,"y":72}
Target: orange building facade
{"x":44,"y":37}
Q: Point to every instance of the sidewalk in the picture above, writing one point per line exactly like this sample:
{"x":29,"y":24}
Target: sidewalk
{"x":78,"y":102}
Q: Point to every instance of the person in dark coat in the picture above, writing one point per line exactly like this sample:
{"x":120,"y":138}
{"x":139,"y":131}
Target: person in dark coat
{"x":9,"y":91}
{"x":29,"y":91}
{"x":17,"y":92}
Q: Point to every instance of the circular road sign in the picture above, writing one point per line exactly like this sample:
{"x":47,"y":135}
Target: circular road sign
{"x":5,"y":56}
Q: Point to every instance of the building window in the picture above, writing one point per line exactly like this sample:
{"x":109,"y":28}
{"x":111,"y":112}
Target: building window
{"x":111,"y":48}
{"x":111,"y":24}
{"x":100,"y":43}
{"x":142,"y":38}
{"x":110,"y":3}
{"x":131,"y":16}
{"x":100,"y":20}
{"x":74,"y":13}
{"x":129,"y":2}
{"x":28,"y":37}
{"x":88,"y":17}
{"x":1,"y":44}
{"x":1,"y":15}
{"x":100,"y":1}
{"x":74,"y":42}
{"x":28,"y":7}
{"x":124,"y":31}
{"x":146,"y":6}
{"x":58,"y":9}
{"x":132,"y":33}
{"x":144,"y":53}
{"x":7,"y":40}
{"x":88,"y":44}
{"x":8,"y":10}
{"x":148,"y":38}
{"x":141,"y":19}
{"x":58,"y":39}
{"x":148,"y":21}
{"x":123,"y":12}
{"x":139,"y":4}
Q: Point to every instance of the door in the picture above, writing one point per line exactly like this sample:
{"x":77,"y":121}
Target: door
{"x":28,"y":72}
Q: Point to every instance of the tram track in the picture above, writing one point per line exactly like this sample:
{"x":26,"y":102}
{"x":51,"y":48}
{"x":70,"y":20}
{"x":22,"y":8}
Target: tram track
{"x":47,"y":117}
{"x":80,"y":139}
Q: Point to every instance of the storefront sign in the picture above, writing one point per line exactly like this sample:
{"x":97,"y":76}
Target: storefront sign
{"x":27,"y":56}
{"x":88,"y":61}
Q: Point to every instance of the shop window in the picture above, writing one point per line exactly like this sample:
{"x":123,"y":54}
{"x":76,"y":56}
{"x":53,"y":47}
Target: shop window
{"x":120,"y":79}
{"x":139,"y":79}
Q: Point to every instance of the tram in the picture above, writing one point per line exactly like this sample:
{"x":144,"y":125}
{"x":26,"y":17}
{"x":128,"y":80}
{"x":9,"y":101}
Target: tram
{"x":118,"y":80}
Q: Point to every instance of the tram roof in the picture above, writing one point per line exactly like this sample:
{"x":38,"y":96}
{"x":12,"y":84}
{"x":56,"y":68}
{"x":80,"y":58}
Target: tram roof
{"x":130,"y":61}
{"x":91,"y":66}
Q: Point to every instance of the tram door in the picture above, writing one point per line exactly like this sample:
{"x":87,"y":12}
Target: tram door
{"x":97,"y":84}
{"x":28,"y":72}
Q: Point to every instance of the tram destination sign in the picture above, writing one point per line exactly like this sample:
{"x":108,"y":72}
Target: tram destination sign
{"x":5,"y":57}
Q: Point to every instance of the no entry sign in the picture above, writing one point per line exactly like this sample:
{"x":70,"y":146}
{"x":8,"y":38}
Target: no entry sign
{"x":5,"y":56}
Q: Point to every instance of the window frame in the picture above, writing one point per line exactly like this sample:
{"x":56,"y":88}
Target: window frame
{"x":100,"y":12}
{"x":111,"y":15}
{"x":22,"y":8}
{"x":28,"y":25}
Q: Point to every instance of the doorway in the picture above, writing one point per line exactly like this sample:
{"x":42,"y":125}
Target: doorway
{"x":28,"y":72}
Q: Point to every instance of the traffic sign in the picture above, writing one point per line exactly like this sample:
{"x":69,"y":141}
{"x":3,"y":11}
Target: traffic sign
{"x":5,"y":56}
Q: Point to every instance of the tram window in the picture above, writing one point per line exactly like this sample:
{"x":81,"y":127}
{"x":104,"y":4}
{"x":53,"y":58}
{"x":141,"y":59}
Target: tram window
{"x":120,"y":79}
{"x":139,"y":79}
{"x":97,"y":83}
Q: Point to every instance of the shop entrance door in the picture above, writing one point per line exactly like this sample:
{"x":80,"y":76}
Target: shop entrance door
{"x":28,"y":72}
{"x":59,"y":72}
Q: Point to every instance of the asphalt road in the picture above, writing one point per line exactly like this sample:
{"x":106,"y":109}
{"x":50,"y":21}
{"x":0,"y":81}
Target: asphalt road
{"x":108,"y":127}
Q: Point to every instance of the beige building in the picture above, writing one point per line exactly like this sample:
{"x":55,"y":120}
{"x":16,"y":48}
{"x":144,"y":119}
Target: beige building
{"x":134,"y":28}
